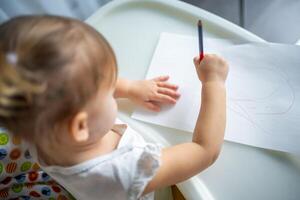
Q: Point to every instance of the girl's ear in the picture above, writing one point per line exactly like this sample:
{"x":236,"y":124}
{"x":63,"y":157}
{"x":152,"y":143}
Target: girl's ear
{"x":78,"y":127}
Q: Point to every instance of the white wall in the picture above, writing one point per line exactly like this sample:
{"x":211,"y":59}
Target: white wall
{"x":273,"y":20}
{"x":80,"y":9}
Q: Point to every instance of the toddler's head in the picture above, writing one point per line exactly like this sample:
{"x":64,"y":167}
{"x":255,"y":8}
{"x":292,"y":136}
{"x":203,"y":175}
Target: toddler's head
{"x":57,"y":75}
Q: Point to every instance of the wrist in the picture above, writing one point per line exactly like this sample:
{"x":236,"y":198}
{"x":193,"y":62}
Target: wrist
{"x":123,"y":88}
{"x":127,"y":88}
{"x":213,"y":83}
{"x":214,"y":91}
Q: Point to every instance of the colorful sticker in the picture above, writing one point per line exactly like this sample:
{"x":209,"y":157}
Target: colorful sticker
{"x":46,"y":191}
{"x":35,"y":167}
{"x":33,"y":176}
{"x":25,"y":166}
{"x":15,"y":154}
{"x":20,"y":178}
{"x":17,"y":188}
{"x":27,"y":154}
{"x":34,"y":194}
{"x":4,"y":193}
{"x":3,"y":154}
{"x":6,"y":180}
{"x":3,"y":138}
{"x":56,"y":189}
{"x":16,"y":140}
{"x":45,"y":176}
{"x":11,"y":167}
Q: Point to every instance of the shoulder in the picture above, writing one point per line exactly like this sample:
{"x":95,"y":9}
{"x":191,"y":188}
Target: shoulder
{"x":127,"y":170}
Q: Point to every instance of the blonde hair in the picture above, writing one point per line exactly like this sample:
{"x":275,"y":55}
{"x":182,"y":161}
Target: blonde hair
{"x":50,"y":67}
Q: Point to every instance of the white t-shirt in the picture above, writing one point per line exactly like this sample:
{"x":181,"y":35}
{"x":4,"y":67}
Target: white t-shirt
{"x":121,"y":174}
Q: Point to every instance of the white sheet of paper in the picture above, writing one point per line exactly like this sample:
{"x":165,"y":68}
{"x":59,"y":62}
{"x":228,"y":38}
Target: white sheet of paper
{"x":263,"y":90}
{"x":174,"y":57}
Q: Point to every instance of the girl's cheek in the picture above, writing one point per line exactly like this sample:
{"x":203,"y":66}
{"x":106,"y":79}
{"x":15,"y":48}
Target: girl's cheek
{"x":114,"y":110}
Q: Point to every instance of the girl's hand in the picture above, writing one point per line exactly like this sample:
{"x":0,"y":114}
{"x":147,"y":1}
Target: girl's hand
{"x":150,"y":93}
{"x":211,"y":69}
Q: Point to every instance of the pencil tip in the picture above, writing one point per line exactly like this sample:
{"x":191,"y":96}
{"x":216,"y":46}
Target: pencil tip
{"x":199,"y":23}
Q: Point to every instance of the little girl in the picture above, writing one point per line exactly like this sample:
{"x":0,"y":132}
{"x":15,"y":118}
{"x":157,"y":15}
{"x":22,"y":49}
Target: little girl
{"x":58,"y":84}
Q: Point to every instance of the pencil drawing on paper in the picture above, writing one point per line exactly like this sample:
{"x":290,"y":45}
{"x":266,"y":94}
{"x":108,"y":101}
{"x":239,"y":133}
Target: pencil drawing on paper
{"x":262,"y":91}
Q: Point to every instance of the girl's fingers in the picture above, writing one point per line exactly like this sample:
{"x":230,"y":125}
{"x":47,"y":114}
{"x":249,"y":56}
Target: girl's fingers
{"x":169,"y":92}
{"x":161,"y":78}
{"x":196,"y":60}
{"x":151,"y":106}
{"x":167,"y":85}
{"x":164,"y":99}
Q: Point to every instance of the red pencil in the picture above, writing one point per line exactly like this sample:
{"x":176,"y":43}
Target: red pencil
{"x":200,"y":37}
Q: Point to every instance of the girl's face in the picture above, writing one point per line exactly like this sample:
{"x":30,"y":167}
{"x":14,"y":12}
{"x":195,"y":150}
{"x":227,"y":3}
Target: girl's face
{"x":102,"y":113}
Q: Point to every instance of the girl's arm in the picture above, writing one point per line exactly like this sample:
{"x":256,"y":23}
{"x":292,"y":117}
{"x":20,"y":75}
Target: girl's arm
{"x":122,"y":87}
{"x":185,"y":160}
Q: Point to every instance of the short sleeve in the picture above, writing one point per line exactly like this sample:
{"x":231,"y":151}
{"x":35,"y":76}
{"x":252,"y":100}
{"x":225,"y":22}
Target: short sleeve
{"x":147,"y":164}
